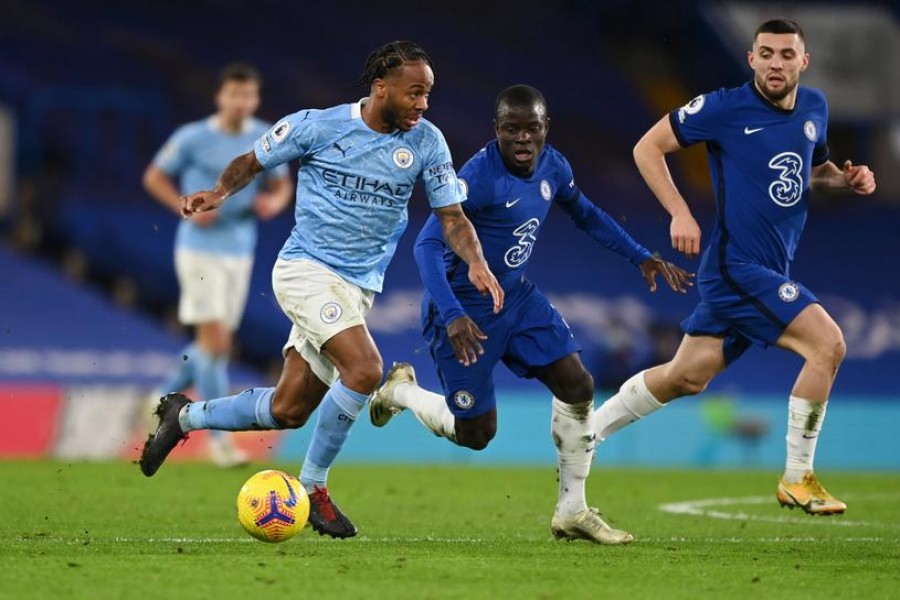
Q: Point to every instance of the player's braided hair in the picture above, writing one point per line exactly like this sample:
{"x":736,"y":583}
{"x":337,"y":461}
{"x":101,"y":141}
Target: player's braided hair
{"x":390,"y":56}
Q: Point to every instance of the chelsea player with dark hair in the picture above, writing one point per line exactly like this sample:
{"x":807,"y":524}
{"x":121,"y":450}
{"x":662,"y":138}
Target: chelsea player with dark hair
{"x":767,"y":146}
{"x":359,"y":164}
{"x":512,"y":183}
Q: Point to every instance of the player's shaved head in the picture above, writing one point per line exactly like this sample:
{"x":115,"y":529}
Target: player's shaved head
{"x":519,"y":96}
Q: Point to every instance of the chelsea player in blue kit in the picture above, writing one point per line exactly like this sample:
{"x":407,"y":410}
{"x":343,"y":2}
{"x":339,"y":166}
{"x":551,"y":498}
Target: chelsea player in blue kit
{"x":767,"y":146}
{"x":358,"y":165}
{"x":511,"y":184}
{"x":214,"y":250}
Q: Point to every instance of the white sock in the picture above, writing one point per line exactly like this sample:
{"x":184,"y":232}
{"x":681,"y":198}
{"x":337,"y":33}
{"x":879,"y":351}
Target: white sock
{"x":804,"y":422}
{"x":430,"y":409}
{"x":633,"y":402}
{"x":573,"y":436}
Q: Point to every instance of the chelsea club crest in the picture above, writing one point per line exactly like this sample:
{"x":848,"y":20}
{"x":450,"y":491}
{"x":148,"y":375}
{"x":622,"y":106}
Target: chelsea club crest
{"x":788,"y":292}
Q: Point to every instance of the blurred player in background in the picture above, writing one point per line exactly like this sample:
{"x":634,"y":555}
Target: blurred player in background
{"x":359,"y":163}
{"x":767,"y":147}
{"x":511,"y":183}
{"x":214,"y":250}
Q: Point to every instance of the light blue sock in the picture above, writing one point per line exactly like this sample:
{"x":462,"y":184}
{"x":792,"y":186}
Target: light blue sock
{"x":249,"y":410}
{"x":182,"y":376}
{"x":211,"y":378}
{"x":337,"y":413}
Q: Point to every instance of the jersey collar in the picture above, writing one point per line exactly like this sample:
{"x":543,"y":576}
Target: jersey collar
{"x":356,"y":108}
{"x":216,"y":123}
{"x":764,"y":100}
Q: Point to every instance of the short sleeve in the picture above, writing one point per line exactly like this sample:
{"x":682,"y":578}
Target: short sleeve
{"x":821,"y":153}
{"x":699,"y":120}
{"x":441,"y":183}
{"x":288,"y":139}
{"x":173,"y":156}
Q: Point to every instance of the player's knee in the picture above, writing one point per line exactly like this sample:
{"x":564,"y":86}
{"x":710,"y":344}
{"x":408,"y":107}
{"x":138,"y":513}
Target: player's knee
{"x":290,"y":413}
{"x":831,"y":353}
{"x":578,"y":389}
{"x":690,"y":384}
{"x":476,"y":439}
{"x":364,"y":377}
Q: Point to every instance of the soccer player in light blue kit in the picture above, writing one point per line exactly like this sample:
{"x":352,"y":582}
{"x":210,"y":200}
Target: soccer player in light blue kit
{"x":214,"y":250}
{"x":767,"y":146}
{"x":359,"y":163}
{"x":512,"y":183}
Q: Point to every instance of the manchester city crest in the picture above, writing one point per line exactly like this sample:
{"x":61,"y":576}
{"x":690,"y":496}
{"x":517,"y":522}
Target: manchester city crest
{"x":403,"y":158}
{"x":330,"y":312}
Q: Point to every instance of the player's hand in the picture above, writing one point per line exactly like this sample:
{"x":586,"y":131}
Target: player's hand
{"x":466,"y":337}
{"x":859,"y":178}
{"x":677,"y":278}
{"x":200,"y":202}
{"x":485,"y":282}
{"x":685,"y":235}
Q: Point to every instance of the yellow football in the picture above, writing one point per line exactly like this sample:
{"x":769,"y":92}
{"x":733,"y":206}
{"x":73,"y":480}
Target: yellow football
{"x":272,"y":506}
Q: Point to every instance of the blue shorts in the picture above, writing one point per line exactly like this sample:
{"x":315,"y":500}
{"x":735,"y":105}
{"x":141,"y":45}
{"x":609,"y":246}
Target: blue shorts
{"x":527,"y":334}
{"x":748,"y":304}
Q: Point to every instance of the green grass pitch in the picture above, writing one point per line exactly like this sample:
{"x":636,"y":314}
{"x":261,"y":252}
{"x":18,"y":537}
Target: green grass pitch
{"x":101,"y":530}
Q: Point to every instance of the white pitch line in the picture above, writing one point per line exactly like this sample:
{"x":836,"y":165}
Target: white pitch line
{"x":446,"y":540}
{"x":700,"y":508}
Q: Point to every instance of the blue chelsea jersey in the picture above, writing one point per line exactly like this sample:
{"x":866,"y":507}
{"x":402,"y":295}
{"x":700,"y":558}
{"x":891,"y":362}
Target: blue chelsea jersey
{"x":509,"y":211}
{"x":354,"y":185}
{"x":760,"y":159}
{"x":195,"y":155}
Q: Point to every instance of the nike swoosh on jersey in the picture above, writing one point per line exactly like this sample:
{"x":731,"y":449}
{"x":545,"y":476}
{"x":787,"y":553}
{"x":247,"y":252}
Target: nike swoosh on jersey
{"x":511,"y":203}
{"x":748,"y":131}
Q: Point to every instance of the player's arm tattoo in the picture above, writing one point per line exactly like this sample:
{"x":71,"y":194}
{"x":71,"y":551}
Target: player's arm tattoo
{"x":460,"y":234}
{"x":238,"y":174}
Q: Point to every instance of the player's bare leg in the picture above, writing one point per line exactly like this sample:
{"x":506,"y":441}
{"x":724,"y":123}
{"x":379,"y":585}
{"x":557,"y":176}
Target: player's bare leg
{"x":354,"y":355}
{"x":815,"y":336}
{"x":697,"y":361}
{"x":573,"y":436}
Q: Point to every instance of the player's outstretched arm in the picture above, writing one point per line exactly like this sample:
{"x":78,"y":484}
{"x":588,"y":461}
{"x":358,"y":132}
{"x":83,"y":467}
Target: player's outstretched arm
{"x":236,"y":175}
{"x":858,"y":179}
{"x":677,"y":278}
{"x":650,"y":157}
{"x":460,"y":236}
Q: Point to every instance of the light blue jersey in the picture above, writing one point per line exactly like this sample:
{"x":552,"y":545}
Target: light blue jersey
{"x":354,"y":186}
{"x":195,"y":155}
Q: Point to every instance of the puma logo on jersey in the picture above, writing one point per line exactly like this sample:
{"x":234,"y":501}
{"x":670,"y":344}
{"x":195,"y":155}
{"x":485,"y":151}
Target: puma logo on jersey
{"x":748,"y":131}
{"x":511,"y":203}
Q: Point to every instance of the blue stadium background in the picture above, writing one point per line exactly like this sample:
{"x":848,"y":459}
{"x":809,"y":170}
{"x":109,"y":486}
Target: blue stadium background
{"x":95,"y":88}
